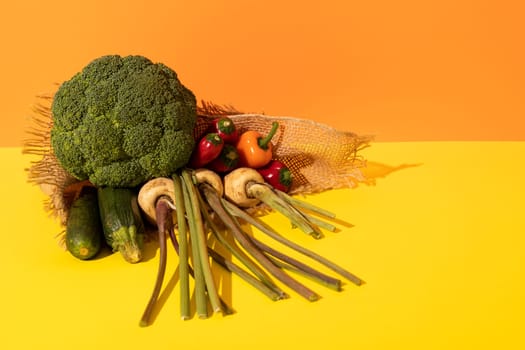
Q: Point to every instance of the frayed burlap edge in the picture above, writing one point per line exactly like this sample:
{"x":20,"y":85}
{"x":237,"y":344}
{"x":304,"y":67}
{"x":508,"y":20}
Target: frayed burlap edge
{"x":46,"y":172}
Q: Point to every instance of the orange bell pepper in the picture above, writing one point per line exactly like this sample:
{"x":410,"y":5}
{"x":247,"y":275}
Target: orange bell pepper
{"x":255,"y":150}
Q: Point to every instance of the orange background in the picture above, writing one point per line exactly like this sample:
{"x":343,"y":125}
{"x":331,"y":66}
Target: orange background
{"x":402,"y":70}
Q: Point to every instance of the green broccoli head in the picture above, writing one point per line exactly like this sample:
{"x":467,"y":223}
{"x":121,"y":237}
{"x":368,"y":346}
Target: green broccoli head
{"x":122,"y":121}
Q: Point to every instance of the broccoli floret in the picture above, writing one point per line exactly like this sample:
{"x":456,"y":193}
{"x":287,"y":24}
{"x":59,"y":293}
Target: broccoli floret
{"x":122,"y":121}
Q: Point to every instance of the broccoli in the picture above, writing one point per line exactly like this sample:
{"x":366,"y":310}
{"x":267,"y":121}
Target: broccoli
{"x":122,"y":121}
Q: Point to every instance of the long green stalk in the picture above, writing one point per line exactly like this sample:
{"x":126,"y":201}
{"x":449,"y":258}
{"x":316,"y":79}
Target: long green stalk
{"x":227,"y":310}
{"x":202,"y":244}
{"x":200,"y":284}
{"x":320,"y":223}
{"x":290,"y":263}
{"x":265,"y":194}
{"x":309,"y":210}
{"x":234,"y":210}
{"x":305,"y":205}
{"x":311,"y":276}
{"x":182,"y":249}
{"x":215,"y":203}
{"x":247,"y":277}
{"x":245,"y":260}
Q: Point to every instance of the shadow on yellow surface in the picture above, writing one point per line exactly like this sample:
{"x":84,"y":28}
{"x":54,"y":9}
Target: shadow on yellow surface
{"x":376,"y":170}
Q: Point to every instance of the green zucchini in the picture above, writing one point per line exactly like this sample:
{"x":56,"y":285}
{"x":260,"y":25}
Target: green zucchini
{"x":84,"y":234}
{"x":121,"y":221}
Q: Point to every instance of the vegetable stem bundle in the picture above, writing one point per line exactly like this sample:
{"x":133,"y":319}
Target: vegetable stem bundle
{"x":196,"y":197}
{"x":199,"y":240}
{"x":234,"y":227}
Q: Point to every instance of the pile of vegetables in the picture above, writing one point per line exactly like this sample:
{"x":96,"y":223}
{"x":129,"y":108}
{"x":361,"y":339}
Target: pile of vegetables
{"x":125,"y":130}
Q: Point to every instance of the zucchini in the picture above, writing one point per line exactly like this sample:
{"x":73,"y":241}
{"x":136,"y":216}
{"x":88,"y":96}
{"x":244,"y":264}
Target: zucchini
{"x":121,"y":221}
{"x":83,"y":228}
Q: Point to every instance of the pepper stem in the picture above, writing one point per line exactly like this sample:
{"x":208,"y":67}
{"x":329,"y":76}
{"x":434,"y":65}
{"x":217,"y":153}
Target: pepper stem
{"x":225,"y":125}
{"x":264,"y":141}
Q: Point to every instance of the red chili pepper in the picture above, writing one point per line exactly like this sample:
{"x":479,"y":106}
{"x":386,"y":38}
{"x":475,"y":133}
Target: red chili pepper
{"x":226,"y":161}
{"x":208,"y":148}
{"x":226,"y":129}
{"x":278,"y":175}
{"x":255,"y":151}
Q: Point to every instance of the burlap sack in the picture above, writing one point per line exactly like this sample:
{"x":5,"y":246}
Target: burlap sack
{"x":320,"y":157}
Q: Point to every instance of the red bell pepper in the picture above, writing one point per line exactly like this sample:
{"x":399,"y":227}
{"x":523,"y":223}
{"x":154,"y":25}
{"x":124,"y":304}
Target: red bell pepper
{"x":278,"y":175}
{"x":226,"y":161}
{"x":208,"y":148}
{"x":226,"y":129}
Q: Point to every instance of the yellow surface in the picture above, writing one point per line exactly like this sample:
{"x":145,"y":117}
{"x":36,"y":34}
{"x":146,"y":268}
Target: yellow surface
{"x":439,"y":239}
